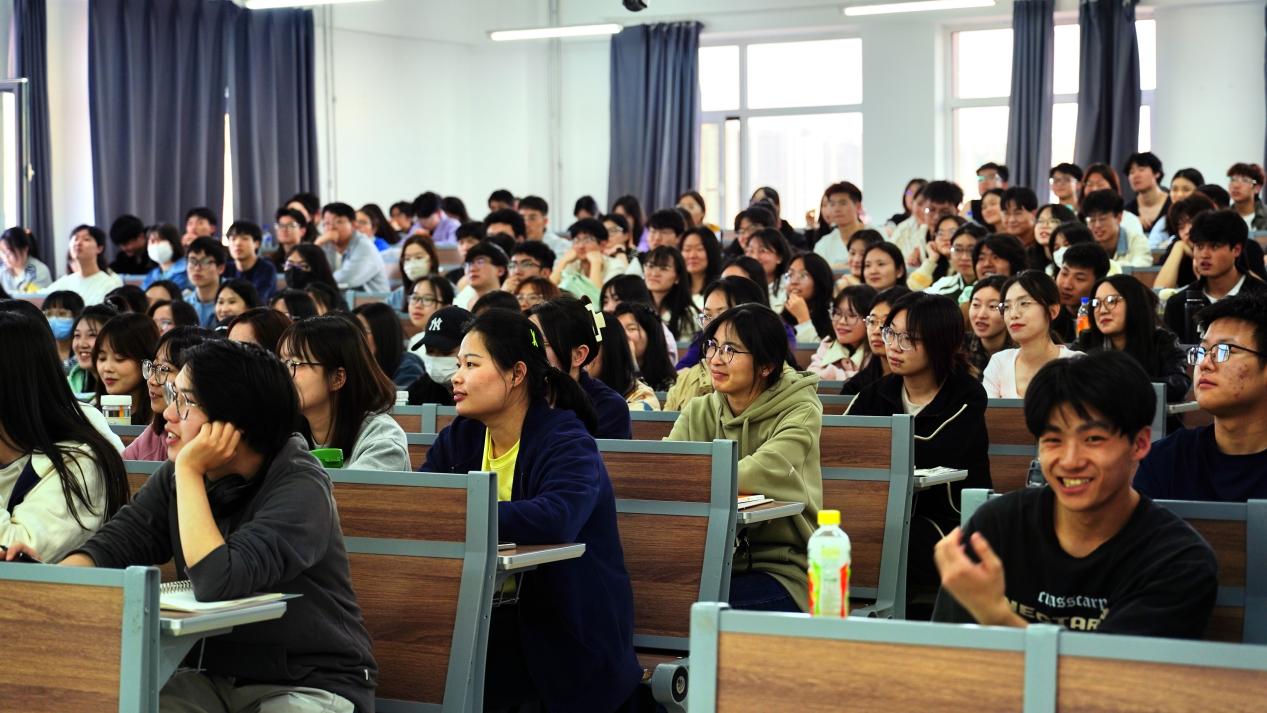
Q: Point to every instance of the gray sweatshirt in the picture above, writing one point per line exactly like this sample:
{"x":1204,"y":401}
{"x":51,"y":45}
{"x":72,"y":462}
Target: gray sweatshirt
{"x":380,"y":445}
{"x":282,"y":534}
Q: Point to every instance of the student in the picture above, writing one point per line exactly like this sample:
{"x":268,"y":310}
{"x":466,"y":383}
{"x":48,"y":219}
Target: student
{"x":343,"y":395}
{"x":568,"y":641}
{"x":87,"y":264}
{"x":614,"y":364}
{"x":957,"y":284}
{"x":858,"y":245}
{"x":61,"y":309}
{"x":882,"y":267}
{"x":1081,"y":268}
{"x":1227,"y":460}
{"x":21,"y":272}
{"x":121,"y":346}
{"x":844,"y":201}
{"x":352,"y":256}
{"x":371,"y":221}
{"x":1047,"y":219}
{"x":290,"y":228}
{"x":1030,"y":304}
{"x":1064,"y":179}
{"x":305,"y":265}
{"x":628,"y":207}
{"x":1176,"y":265}
{"x":199,"y":223}
{"x":1151,"y":202}
{"x":1102,"y":177}
{"x":168,"y":314}
{"x":227,"y":415}
{"x":768,"y":248}
{"x":842,"y":354}
{"x":988,"y":334}
{"x":127,"y":298}
{"x":164,"y":290}
{"x":1102,"y":211}
{"x":665,"y":228}
{"x":774,"y":413}
{"x":809,"y":304}
{"x":936,"y":253}
{"x":306,"y":203}
{"x":328,"y":299}
{"x":432,"y":221}
{"x":571,"y":332}
{"x":1087,"y":551}
{"x":748,"y":222}
{"x":530,"y":259}
{"x":650,"y":352}
{"x":1124,"y":317}
{"x":418,"y":260}
{"x":1020,"y":209}
{"x":586,"y":207}
{"x":532,"y":291}
{"x":233,"y":298}
{"x":877,"y":367}
{"x":1244,"y":183}
{"x":992,"y":179}
{"x":261,"y":325}
{"x":584,"y":268}
{"x":502,"y":199}
{"x":296,"y":305}
{"x":746,"y":267}
{"x":83,"y":374}
{"x":243,"y":241}
{"x":935,"y":201}
{"x":485,"y":269}
{"x":621,"y":248}
{"x":670,"y":287}
{"x":1183,"y":184}
{"x":998,"y":255}
{"x":536,"y":216}
{"x":164,"y":249}
{"x":429,"y":295}
{"x":702,"y":254}
{"x":497,"y":299}
{"x":206,"y":262}
{"x":1218,"y":239}
{"x":151,"y":445}
{"x":693,"y":377}
{"x":929,"y":379}
{"x":127,"y":233}
{"x":766,"y":195}
{"x":60,"y":478}
{"x":439,"y":343}
{"x":909,"y":195}
{"x":990,"y":215}
{"x":387,"y":343}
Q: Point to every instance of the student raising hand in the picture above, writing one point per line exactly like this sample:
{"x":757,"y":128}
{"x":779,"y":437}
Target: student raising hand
{"x":978,"y":586}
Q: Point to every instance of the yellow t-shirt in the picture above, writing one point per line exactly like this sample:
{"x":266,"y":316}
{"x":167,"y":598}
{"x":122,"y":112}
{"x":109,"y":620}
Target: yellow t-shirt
{"x":503,"y":466}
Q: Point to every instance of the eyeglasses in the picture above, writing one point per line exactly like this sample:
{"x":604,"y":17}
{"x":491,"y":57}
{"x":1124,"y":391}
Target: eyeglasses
{"x":589,"y":239}
{"x":843,"y":203}
{"x":153,"y":370}
{"x":517,"y":265}
{"x":902,"y":341}
{"x":1221,"y":352}
{"x":1109,"y":303}
{"x":728,"y":352}
{"x":660,"y":267}
{"x":424,"y":300}
{"x":614,"y":230}
{"x":529,"y":298}
{"x":960,"y":249}
{"x":1242,"y":179}
{"x":479,"y":262}
{"x":285,"y":227}
{"x":294,"y":364}
{"x":1062,"y":179}
{"x":845,"y":317}
{"x":797,"y":275}
{"x":987,"y":177}
{"x":1047,"y":223}
{"x":872,"y":321}
{"x":300,"y":266}
{"x":703,"y":319}
{"x":205,"y":262}
{"x":179,"y":399}
{"x":1100,"y":219}
{"x":1018,"y":306}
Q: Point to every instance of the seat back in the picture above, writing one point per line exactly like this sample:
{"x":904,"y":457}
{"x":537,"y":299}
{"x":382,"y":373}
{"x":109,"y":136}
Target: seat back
{"x":868,"y":465}
{"x":127,"y":434}
{"x":356,"y":299}
{"x":652,"y":425}
{"x":1012,"y":446}
{"x":409,"y":418}
{"x":421,"y":552}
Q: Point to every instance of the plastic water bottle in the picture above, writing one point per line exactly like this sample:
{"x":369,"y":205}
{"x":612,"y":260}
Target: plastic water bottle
{"x":1084,"y":315}
{"x":829,"y":560}
{"x":117,"y":409}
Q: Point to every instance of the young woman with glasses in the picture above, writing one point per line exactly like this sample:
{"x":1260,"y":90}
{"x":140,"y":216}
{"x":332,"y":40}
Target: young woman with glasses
{"x":774,"y":413}
{"x":937,"y":263}
{"x":1030,"y":304}
{"x":841,"y":355}
{"x":809,"y":302}
{"x":151,"y":445}
{"x":532,"y":291}
{"x":957,"y":283}
{"x":430,"y":294}
{"x":877,"y":366}
{"x":418,"y":261}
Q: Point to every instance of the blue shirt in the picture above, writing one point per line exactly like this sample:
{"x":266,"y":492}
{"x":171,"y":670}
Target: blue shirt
{"x":206,"y":310}
{"x":263,"y":275}
{"x":176,"y":273}
{"x":1188,"y":465}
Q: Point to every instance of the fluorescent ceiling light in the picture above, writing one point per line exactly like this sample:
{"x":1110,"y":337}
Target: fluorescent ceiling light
{"x":271,"y":4}
{"x":890,"y":8}
{"x":543,"y":33}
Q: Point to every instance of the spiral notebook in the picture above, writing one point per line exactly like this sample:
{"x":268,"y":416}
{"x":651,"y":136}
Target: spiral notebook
{"x":179,"y":596}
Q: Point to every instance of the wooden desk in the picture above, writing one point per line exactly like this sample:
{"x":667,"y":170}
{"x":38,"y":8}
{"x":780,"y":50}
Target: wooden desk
{"x":181,"y":631}
{"x":769,"y":511}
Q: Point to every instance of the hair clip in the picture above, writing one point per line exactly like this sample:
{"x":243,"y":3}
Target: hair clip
{"x":533,"y":333}
{"x":600,"y":322}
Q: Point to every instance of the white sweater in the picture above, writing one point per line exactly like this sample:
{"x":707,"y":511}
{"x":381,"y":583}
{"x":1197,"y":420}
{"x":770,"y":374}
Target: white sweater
{"x":43,"y":520}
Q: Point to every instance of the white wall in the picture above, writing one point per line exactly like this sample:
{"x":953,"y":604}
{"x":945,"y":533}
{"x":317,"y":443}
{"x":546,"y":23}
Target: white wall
{"x":69,"y":131}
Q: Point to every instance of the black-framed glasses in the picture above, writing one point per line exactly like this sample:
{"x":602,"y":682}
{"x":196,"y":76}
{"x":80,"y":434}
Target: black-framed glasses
{"x":1109,"y":303}
{"x":727,"y":351}
{"x":177,"y":397}
{"x":902,"y":341}
{"x":1222,"y":352}
{"x":517,"y":265}
{"x":845,"y":317}
{"x":159,"y":373}
{"x":294,"y":364}
{"x":300,"y":266}
{"x":424,"y":300}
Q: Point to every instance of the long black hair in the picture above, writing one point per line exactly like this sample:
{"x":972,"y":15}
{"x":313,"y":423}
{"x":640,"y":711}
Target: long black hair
{"x":133,"y":336}
{"x":336,"y":342}
{"x":511,"y":338}
{"x":298,"y":303}
{"x":677,"y":302}
{"x":937,"y":322}
{"x":656,"y":368}
{"x":568,"y":325}
{"x":616,"y":367}
{"x":1141,"y":324}
{"x":627,"y":288}
{"x":820,"y":303}
{"x":389,"y":338}
{"x":318,"y":268}
{"x":712,"y":248}
{"x":631,"y":206}
{"x":40,"y":414}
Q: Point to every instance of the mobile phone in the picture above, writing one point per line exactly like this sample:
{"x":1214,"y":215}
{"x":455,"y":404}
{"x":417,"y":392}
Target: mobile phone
{"x":24,"y":557}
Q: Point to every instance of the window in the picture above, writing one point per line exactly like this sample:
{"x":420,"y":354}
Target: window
{"x":981,"y":80}
{"x":769,"y":118}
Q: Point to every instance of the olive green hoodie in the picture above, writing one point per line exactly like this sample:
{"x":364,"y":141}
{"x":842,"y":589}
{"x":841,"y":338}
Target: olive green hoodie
{"x":778,"y":437}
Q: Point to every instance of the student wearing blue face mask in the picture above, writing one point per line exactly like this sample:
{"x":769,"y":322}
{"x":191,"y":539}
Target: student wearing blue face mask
{"x":439,"y":347}
{"x":61,"y":309}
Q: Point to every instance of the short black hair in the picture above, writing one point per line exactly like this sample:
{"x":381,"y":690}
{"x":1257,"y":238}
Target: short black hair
{"x":1250,"y":308}
{"x":1087,"y":255}
{"x":616,"y":218}
{"x":996,"y":167}
{"x":536,"y":250}
{"x":845,"y":187}
{"x":668,"y":219}
{"x":126,"y":228}
{"x":536,"y":203}
{"x":342,"y":210}
{"x":1069,"y":169}
{"x":943,"y":192}
{"x":738,"y":291}
{"x":1023,"y":197}
{"x":937,"y":322}
{"x":749,"y":265}
{"x":1109,"y":381}
{"x":1148,"y":160}
{"x":495,"y":299}
{"x":509,"y":217}
{"x":452,"y":207}
{"x":1216,"y":193}
{"x":1251,"y":171}
{"x":586,"y":204}
{"x":242,"y":288}
{"x":1102,"y":201}
{"x":426,"y":204}
{"x":247,"y":386}
{"x":1219,"y":227}
{"x":501,"y":195}
{"x":1006,"y":246}
{"x":127,"y":298}
{"x":1074,"y":232}
{"x":762,"y":332}
{"x":490,"y":251}
{"x":246,"y":227}
{"x":471,"y":230}
{"x":590,"y":226}
{"x":298,"y":303}
{"x":209,"y":247}
{"x":757,"y":215}
{"x":403,"y":206}
{"x":204,"y":213}
{"x":1186,"y":209}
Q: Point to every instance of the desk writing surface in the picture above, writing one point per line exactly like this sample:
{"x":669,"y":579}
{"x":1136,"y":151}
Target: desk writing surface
{"x":529,"y":556}
{"x":769,"y":511}
{"x":924,"y":482}
{"x":174,"y":623}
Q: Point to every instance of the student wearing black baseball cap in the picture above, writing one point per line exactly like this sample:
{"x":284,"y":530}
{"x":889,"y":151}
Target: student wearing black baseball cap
{"x":440,"y":341}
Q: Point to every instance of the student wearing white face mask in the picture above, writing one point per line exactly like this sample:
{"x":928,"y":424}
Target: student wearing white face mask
{"x":163,"y":247}
{"x":439,"y":347}
{"x":418,"y":259}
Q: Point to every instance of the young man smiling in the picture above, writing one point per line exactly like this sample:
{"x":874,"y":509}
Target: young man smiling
{"x":1086,"y":552}
{"x":1218,"y":240}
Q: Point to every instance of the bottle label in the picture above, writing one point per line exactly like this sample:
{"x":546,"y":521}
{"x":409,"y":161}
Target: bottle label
{"x":829,"y":590}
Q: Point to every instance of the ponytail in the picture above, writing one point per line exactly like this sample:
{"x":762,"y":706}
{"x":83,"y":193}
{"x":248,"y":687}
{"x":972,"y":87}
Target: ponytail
{"x":563,"y":392}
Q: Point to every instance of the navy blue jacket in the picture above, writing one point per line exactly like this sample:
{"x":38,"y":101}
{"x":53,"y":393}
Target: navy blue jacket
{"x":576,"y":617}
{"x":610,"y":407}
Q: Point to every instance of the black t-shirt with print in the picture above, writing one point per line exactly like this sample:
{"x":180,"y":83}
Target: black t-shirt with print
{"x":1156,"y":577}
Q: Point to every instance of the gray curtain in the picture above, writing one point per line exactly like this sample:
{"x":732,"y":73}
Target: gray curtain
{"x":1029,"y":115}
{"x":654,"y":112}
{"x":1108,"y":83}
{"x":273,"y":107}
{"x":157,"y":76}
{"x":31,"y":54}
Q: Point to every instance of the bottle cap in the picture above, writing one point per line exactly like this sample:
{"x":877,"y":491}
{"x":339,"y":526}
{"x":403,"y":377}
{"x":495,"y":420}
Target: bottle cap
{"x":828,"y":517}
{"x":116,"y":400}
{"x":1085,"y":300}
{"x":329,"y":457}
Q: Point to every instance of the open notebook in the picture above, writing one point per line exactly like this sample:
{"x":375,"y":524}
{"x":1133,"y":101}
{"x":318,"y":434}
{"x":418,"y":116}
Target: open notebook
{"x":179,"y":596}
